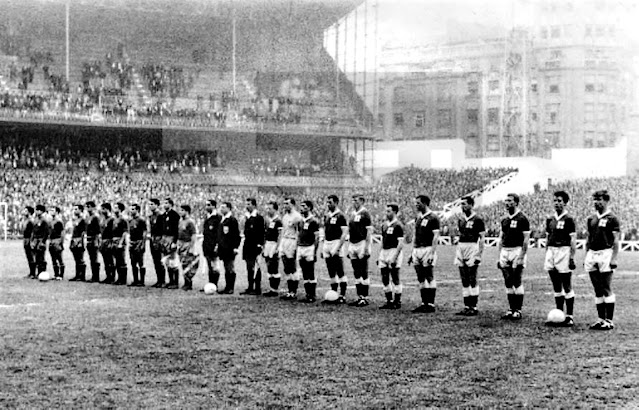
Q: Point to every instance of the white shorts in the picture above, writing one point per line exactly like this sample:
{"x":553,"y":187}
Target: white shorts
{"x":558,"y":258}
{"x":467,"y":253}
{"x":357,"y":250}
{"x":288,"y":247}
{"x":422,"y":255}
{"x":306,"y":253}
{"x":598,"y":260}
{"x":386,"y":256}
{"x":508,"y":257}
{"x":270,"y":249}
{"x":331,"y":247}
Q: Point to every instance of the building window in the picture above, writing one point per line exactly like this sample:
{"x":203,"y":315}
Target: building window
{"x":553,"y":84}
{"x":493,"y":85}
{"x":552,"y":139}
{"x":590,"y":88}
{"x":533,"y":87}
{"x":601,"y":140}
{"x":601,"y":87}
{"x":398,"y":119}
{"x":420,"y":119}
{"x":473,"y":88}
{"x":444,"y":91}
{"x":380,"y":118}
{"x":471,"y":136}
{"x":612,"y":139}
{"x":556,"y":54}
{"x":589,"y":113}
{"x":399,"y":94}
{"x":555,"y":32}
{"x":473,"y":116}
{"x":493,"y":116}
{"x":533,"y":116}
{"x":492,"y":143}
{"x":443,"y":119}
{"x":552,"y":114}
{"x":589,"y":139}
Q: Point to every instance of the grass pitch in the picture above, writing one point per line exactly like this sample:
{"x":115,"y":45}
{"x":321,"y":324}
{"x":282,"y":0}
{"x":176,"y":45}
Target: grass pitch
{"x":76,"y":345}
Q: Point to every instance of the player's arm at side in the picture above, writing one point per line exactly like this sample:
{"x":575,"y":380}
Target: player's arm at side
{"x":193,"y":233}
{"x":481,"y":244}
{"x":400,"y":243}
{"x":316,"y":242}
{"x":524,"y":246}
{"x":500,"y":245}
{"x":616,"y":232}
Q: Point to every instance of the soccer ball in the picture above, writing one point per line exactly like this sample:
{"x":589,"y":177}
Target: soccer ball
{"x":210,"y":288}
{"x":556,"y":316}
{"x":331,"y":296}
{"x":44,"y":276}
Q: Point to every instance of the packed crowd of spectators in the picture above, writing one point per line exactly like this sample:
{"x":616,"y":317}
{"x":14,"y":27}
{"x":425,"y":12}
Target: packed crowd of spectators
{"x":170,"y":81}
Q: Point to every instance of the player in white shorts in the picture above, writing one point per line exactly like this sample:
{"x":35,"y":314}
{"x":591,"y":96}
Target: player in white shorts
{"x":470,"y":248}
{"x":390,"y":258}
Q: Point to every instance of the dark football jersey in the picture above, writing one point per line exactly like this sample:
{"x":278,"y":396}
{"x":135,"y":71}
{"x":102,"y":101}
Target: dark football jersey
{"x":310,"y":226}
{"x":513,"y":228}
{"x":107,"y":229}
{"x":601,"y":230}
{"x":155,"y":221}
{"x":170,"y":223}
{"x":27,"y":229}
{"x":137,"y":229}
{"x":57,"y":229}
{"x":94,"y":228}
{"x":470,"y":228}
{"x":273,"y":229}
{"x":425,"y":227}
{"x":333,"y":224}
{"x":559,"y":229}
{"x":186,"y":230}
{"x":120,"y":227}
{"x":392,"y":232}
{"x":358,"y":226}
{"x":79,"y":228}
{"x":40,"y":229}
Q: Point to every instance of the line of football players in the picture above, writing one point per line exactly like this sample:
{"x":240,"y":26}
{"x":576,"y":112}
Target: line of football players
{"x":293,"y":238}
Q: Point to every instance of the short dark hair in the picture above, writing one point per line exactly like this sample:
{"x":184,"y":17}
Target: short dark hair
{"x":155,"y":201}
{"x":252,"y":201}
{"x":228,"y":205}
{"x":469,"y":200}
{"x":80,"y":207}
{"x":393,"y":206}
{"x":135,"y":206}
{"x":58,"y":210}
{"x":170,"y":201}
{"x":359,"y":197}
{"x":41,"y":208}
{"x":334,"y":198}
{"x":106,"y":206}
{"x":563,"y":195}
{"x":424,"y":199}
{"x":274,"y":205}
{"x":308,"y":203}
{"x":290,"y":199}
{"x":187,"y":208}
{"x":601,"y":194}
{"x":120,"y":206}
{"x":514,"y":196}
{"x":29,"y":209}
{"x":213,"y":202}
{"x":90,"y":204}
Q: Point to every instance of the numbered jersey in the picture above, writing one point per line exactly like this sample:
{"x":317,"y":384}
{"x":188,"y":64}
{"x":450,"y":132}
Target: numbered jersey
{"x":513,"y":228}
{"x":392,"y":233}
{"x":559,"y":229}
{"x":333,"y":224}
{"x":601,"y":229}
{"x":470,"y":228}
{"x":425,"y":227}
{"x":273,"y":228}
{"x":358,"y":226}
{"x":308,"y":229}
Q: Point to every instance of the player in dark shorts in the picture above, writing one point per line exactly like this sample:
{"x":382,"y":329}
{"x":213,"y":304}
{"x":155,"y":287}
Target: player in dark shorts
{"x":56,"y":243}
{"x":78,"y":243}
{"x":137,"y":245}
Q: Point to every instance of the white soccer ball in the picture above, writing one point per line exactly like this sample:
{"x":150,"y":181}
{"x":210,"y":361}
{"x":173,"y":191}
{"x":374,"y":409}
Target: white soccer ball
{"x":331,"y":296}
{"x":44,"y":276}
{"x":210,"y":288}
{"x":556,"y":316}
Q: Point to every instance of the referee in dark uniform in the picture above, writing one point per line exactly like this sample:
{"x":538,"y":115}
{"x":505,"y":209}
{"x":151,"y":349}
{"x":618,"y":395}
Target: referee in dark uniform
{"x":137,"y":245}
{"x":155,"y":224}
{"x":94,"y":234}
{"x":228,"y":243}
{"x":170,"y":228}
{"x":254,"y":235}
{"x":209,"y":242}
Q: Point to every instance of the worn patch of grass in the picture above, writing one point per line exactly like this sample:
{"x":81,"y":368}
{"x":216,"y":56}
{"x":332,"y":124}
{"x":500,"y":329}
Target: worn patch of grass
{"x":84,"y":345}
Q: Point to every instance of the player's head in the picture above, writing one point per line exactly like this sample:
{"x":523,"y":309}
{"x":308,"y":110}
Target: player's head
{"x":600,"y":199}
{"x":28,"y":211}
{"x":78,"y":209}
{"x":105,"y":208}
{"x":55,"y":211}
{"x":251,"y":204}
{"x":40,"y":209}
{"x":154,"y":204}
{"x":422,"y":202}
{"x":185,"y":210}
{"x":289,"y":203}
{"x":168,"y":203}
{"x":331,"y":202}
{"x":90,"y":206}
{"x":358,"y":201}
{"x":135,"y":210}
{"x":271,"y":208}
{"x":391,"y":211}
{"x":226,"y":207}
{"x":560,"y":199}
{"x":211,"y":204}
{"x":511,"y":201}
{"x":467,"y":204}
{"x":119,"y":207}
{"x":306,"y":207}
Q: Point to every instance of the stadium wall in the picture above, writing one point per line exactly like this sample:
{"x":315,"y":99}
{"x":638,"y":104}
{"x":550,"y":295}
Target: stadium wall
{"x":444,"y":153}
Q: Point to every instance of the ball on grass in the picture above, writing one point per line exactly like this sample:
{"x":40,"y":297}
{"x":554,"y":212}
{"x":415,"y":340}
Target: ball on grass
{"x":556,"y":316}
{"x":44,"y":276}
{"x":210,"y":288}
{"x":331,"y":296}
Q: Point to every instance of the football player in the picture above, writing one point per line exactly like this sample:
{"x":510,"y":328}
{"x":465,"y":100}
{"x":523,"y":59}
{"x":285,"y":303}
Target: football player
{"x":271,"y":246}
{"x":156,"y":218}
{"x":187,"y":239}
{"x":470,"y":248}
{"x":291,"y":225}
{"x":335,"y":234}
{"x":254,"y":231}
{"x":307,"y":244}
{"x":106,"y":243}
{"x":120,"y":234}
{"x":227,"y":246}
{"x":26,"y":226}
{"x":360,"y":231}
{"x":78,"y":243}
{"x":56,"y":243}
{"x":137,"y":245}
{"x":39,"y":238}
{"x":390,"y":258}
{"x":94,"y":239}
{"x":424,"y":255}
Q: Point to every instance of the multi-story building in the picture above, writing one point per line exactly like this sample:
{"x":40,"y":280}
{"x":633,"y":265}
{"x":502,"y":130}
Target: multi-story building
{"x":564,"y":79}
